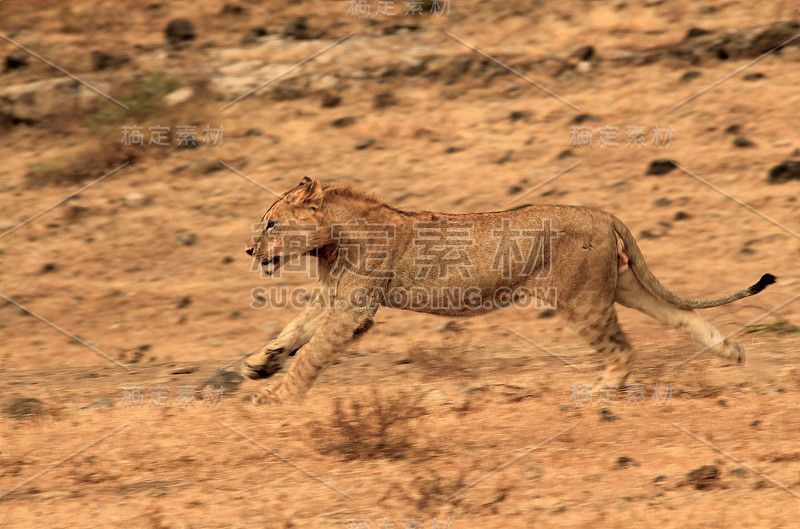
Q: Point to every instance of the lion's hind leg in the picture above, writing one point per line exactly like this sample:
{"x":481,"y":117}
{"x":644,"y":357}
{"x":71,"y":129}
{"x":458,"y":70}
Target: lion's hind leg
{"x":601,"y":329}
{"x":631,"y":293}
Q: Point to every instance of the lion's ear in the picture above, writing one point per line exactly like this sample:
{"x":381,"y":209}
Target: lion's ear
{"x":308,"y":193}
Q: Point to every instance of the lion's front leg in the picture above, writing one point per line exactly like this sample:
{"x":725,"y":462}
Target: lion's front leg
{"x":271,"y":358}
{"x":336,"y":331}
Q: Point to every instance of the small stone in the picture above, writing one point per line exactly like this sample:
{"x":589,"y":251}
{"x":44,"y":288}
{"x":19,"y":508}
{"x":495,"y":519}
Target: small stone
{"x":180,"y":32}
{"x":453,"y":149}
{"x":647,"y":234}
{"x":519,"y":114}
{"x":184,"y":302}
{"x":741,"y":141}
{"x":384,"y":99}
{"x":660,"y":167}
{"x":681,"y":215}
{"x":23,"y":408}
{"x":734,"y":129}
{"x":690,"y":76}
{"x":607,"y":415}
{"x":506,"y":157}
{"x":693,"y":33}
{"x":232,"y":9}
{"x":228,"y":380}
{"x":660,"y":478}
{"x":661,"y":202}
{"x":625,"y":462}
{"x":181,"y":95}
{"x":584,"y":53}
{"x":227,"y":259}
{"x":739,"y":472}
{"x":755,"y":76}
{"x":49,"y":267}
{"x":135,"y":200}
{"x":186,"y":239}
{"x":755,"y":424}
{"x":513,"y":190}
{"x":15,"y":61}
{"x":565,"y":154}
{"x":330,"y":100}
{"x":784,"y":172}
{"x":547,"y":313}
{"x":363,"y":144}
{"x":343,"y":122}
{"x":297,"y":29}
{"x":583,"y":118}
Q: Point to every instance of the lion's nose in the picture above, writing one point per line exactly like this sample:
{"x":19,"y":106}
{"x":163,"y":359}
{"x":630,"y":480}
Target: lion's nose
{"x":249,"y":250}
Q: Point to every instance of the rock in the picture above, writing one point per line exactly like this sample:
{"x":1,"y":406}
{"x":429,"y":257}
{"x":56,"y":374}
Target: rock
{"x":703,"y":478}
{"x":104,"y":61}
{"x":693,"y":33}
{"x":297,"y":29}
{"x":755,"y":76}
{"x":733,"y":129}
{"x":625,"y":462}
{"x":739,"y":472}
{"x":183,"y":369}
{"x":49,"y":267}
{"x":583,"y":66}
{"x":506,"y":157}
{"x":16,"y":60}
{"x":181,"y":95}
{"x":607,"y":415}
{"x":330,"y":100}
{"x":519,"y":114}
{"x":186,"y":239}
{"x":661,"y":202}
{"x":23,"y":408}
{"x":660,"y":167}
{"x":363,"y":144}
{"x":513,"y":190}
{"x":343,"y":122}
{"x":76,"y":212}
{"x":583,"y":118}
{"x":384,"y":99}
{"x":229,"y":380}
{"x":547,"y":313}
{"x":180,"y":32}
{"x":451,"y":326}
{"x":690,"y":75}
{"x":31,"y":102}
{"x":453,"y":149}
{"x":254,"y":34}
{"x":784,"y":172}
{"x":135,"y":200}
{"x":681,"y":215}
{"x":184,"y":302}
{"x":232,"y":9}
{"x":741,"y":141}
{"x":647,"y":234}
{"x":565,"y":154}
{"x":584,"y":53}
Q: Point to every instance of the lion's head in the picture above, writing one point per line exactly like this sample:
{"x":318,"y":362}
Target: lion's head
{"x":294,"y":225}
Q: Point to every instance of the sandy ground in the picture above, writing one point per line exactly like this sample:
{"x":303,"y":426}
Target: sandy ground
{"x":422,"y":422}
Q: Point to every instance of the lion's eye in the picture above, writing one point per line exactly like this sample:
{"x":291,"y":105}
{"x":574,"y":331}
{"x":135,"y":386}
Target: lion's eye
{"x":270,"y":224}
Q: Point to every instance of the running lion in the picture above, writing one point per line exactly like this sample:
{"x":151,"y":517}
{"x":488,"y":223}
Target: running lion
{"x":369,"y":254}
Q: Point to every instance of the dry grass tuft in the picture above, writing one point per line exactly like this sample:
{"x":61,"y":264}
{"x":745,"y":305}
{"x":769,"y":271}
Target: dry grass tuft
{"x":371,"y":427}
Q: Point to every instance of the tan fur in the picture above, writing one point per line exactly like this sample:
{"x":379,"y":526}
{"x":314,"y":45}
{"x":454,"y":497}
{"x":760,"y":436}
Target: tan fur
{"x":580,"y":260}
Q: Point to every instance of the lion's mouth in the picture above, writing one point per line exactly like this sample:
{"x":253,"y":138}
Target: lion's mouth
{"x":269,"y":266}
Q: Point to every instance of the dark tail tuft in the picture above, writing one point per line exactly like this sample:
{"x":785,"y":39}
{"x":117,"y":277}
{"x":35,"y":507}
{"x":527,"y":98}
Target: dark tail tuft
{"x":764,"y":282}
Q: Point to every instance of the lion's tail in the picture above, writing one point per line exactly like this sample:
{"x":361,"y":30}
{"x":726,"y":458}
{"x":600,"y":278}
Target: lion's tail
{"x":646,"y":277}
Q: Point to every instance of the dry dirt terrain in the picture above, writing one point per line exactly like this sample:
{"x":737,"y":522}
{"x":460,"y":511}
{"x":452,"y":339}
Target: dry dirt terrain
{"x":124,"y":286}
